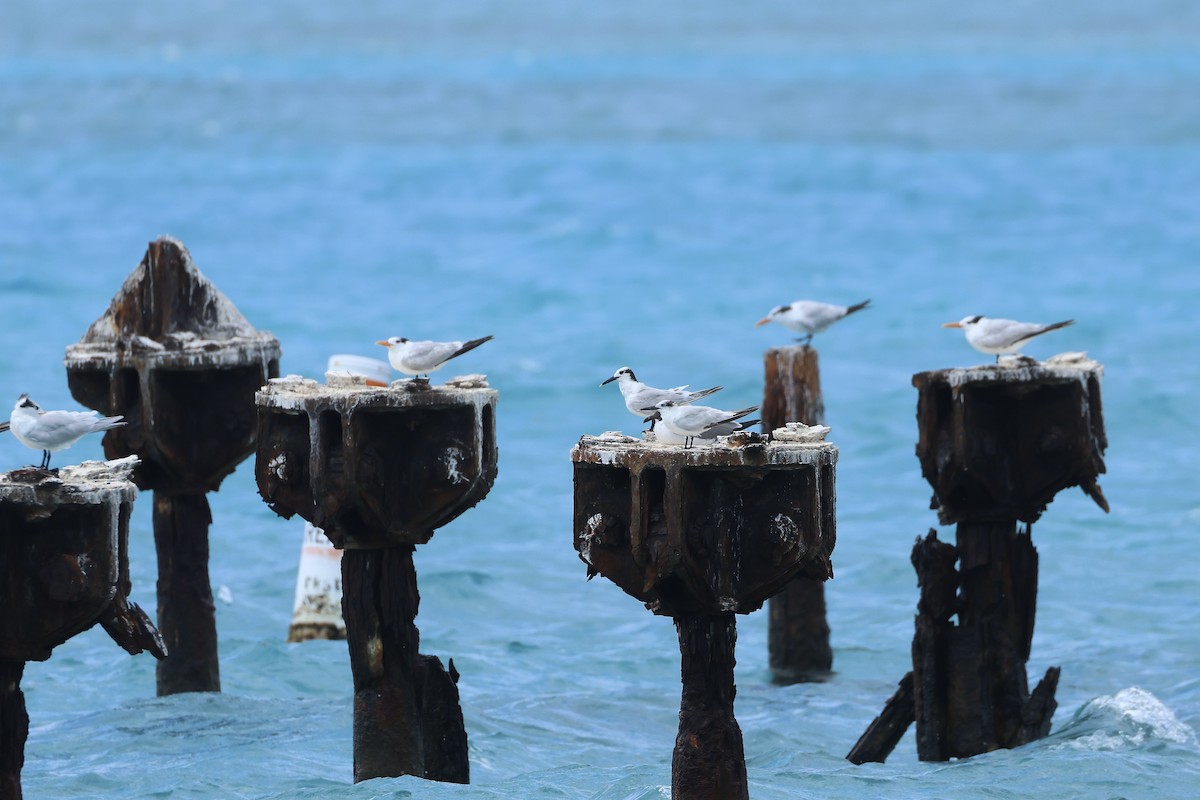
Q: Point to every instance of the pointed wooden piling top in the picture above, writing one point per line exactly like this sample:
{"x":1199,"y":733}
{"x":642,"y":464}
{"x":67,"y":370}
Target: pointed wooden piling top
{"x":167,"y":311}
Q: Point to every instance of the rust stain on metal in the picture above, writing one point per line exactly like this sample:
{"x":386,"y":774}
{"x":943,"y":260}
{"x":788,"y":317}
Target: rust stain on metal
{"x":996,"y":443}
{"x":379,"y":469}
{"x":175,"y":357}
{"x":64,"y":567}
{"x":700,"y":534}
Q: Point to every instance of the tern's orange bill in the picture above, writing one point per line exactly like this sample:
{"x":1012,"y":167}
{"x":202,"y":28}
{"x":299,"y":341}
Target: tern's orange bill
{"x":951,"y":324}
{"x":762,"y":321}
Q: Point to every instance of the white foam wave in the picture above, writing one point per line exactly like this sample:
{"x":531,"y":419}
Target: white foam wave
{"x":1130,"y":718}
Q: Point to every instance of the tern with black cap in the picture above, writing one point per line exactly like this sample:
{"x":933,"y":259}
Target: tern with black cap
{"x":809,"y":316}
{"x":51,"y":431}
{"x":997,"y":337}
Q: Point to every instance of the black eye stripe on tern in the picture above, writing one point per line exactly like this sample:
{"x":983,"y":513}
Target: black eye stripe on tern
{"x":421,"y":358}
{"x":51,"y":431}
{"x":999,"y":336}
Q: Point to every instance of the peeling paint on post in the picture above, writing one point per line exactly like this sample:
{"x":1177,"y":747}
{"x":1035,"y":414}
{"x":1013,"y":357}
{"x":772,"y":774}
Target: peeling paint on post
{"x":797,"y":630}
{"x":699,"y":535}
{"x":996,"y":443}
{"x":64,"y":566}
{"x":379,"y":470}
{"x":181,"y":364}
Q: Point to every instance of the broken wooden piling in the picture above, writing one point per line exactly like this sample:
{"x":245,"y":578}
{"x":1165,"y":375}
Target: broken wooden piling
{"x":699,"y":535}
{"x":379,"y":470}
{"x":996,"y":443}
{"x":181,"y":364}
{"x":797,"y":630}
{"x":64,"y":567}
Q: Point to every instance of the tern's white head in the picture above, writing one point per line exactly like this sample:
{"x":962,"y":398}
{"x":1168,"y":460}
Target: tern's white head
{"x":392,"y":341}
{"x":623,"y":374}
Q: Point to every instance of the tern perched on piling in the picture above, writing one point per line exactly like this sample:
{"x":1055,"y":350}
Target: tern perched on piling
{"x":1000,"y":336}
{"x":699,"y":422}
{"x":51,"y":431}
{"x":421,"y":358}
{"x":639,"y":396}
{"x":808,"y":316}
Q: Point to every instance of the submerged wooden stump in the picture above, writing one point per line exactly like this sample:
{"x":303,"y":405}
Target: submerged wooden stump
{"x":379,"y":470}
{"x":700,"y":535}
{"x":64,"y":567}
{"x":181,"y":364}
{"x":997,"y":443}
{"x":798,"y":630}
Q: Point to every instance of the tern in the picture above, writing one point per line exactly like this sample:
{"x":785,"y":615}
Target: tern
{"x":699,"y":422}
{"x":638,"y":396}
{"x":51,"y":431}
{"x":809,"y":316}
{"x":999,"y":336}
{"x":421,"y":358}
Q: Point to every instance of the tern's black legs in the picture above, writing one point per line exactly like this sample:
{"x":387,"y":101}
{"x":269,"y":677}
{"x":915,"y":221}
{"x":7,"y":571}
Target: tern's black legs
{"x":45,"y":459}
{"x":806,"y":340}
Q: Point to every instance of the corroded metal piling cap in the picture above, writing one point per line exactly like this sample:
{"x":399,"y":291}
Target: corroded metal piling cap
{"x":168,"y":315}
{"x":706,"y":529}
{"x":63,"y":558}
{"x":375,"y":466}
{"x":1000,"y":441}
{"x":175,"y":357}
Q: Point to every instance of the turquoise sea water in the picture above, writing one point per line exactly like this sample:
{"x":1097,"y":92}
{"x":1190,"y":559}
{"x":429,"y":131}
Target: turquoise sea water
{"x":629,"y":183}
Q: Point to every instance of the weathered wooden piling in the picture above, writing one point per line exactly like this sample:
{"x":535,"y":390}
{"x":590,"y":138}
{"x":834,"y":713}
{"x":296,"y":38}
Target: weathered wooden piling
{"x":64,"y":566}
{"x":997,"y":443}
{"x":699,"y":535}
{"x":181,"y":364}
{"x":379,"y":470}
{"x":798,"y":631}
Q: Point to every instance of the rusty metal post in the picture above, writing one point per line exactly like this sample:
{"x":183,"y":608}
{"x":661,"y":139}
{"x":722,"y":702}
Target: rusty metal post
{"x":709,"y":760}
{"x":379,"y":470}
{"x":996,"y":443}
{"x":181,"y":364}
{"x":798,"y":630}
{"x":699,"y":535}
{"x":14,"y":729}
{"x":64,"y":567}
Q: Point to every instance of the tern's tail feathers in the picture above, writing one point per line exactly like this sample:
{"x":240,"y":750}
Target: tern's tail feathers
{"x":471,"y":345}
{"x":704,"y":393}
{"x":104,"y":423}
{"x":739,"y":414}
{"x":1056,"y":325}
{"x":856,"y":307}
{"x":4,"y":426}
{"x":747,"y":423}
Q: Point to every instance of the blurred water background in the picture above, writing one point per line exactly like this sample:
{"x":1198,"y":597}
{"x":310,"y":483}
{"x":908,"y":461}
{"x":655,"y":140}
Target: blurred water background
{"x":629,"y":183}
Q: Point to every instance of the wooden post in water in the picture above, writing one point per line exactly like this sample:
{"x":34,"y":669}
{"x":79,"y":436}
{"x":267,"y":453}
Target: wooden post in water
{"x":181,"y":364}
{"x":379,"y":470}
{"x":64,"y":567}
{"x":997,"y":443}
{"x":699,"y":535}
{"x":798,"y":631}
